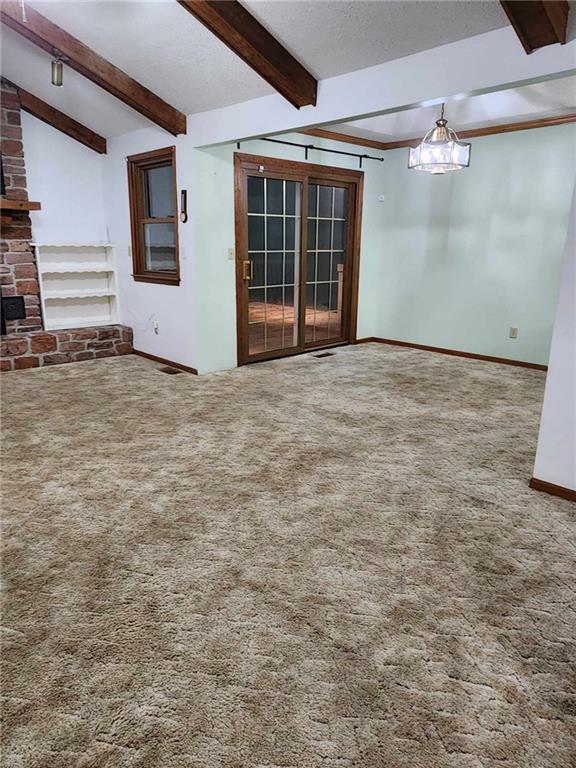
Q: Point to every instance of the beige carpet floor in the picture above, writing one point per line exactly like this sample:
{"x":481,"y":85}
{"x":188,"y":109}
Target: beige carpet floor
{"x":310,"y":563}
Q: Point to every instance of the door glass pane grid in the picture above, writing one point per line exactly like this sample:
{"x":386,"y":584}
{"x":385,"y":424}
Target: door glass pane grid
{"x":324,"y":284}
{"x":273,"y":250}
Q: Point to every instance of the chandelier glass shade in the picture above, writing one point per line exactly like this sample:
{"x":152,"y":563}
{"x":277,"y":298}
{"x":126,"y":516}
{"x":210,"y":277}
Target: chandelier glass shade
{"x":440,"y":151}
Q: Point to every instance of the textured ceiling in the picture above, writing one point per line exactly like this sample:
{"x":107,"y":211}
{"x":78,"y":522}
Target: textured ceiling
{"x":162,"y":46}
{"x":547,"y":99}
{"x":332,"y":36}
{"x":28,"y":66}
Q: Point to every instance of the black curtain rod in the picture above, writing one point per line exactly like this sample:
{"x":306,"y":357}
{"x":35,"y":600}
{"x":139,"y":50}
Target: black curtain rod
{"x":307,"y":147}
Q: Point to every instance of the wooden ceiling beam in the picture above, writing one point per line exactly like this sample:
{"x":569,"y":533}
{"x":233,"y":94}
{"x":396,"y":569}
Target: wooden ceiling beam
{"x":35,"y":106}
{"x":239,"y":30}
{"x":51,"y":38}
{"x":538,"y":22}
{"x":347,"y":138}
{"x":490,"y":130}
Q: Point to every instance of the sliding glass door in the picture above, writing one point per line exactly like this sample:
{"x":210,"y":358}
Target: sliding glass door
{"x":325,"y":262}
{"x":297,"y":256}
{"x":273,"y":263}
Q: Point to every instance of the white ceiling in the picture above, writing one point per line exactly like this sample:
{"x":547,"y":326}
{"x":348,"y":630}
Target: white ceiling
{"x":331,"y":37}
{"x":545,"y":99}
{"x":28,"y":66}
{"x":163,"y":47}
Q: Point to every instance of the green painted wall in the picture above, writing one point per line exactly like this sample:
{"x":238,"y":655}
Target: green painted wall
{"x":449,"y":261}
{"x":212,"y":217}
{"x":467,"y":255}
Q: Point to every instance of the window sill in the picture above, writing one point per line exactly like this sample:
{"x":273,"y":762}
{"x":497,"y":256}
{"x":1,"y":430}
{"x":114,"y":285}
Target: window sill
{"x":157,"y":278}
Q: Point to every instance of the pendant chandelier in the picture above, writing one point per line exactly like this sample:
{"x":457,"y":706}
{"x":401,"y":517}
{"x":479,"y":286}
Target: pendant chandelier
{"x":440,"y":150}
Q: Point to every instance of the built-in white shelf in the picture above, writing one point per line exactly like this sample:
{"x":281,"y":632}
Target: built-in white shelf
{"x":102,"y":244}
{"x":77,"y":284}
{"x":77,"y":322}
{"x":53,"y":269}
{"x":76,"y":294}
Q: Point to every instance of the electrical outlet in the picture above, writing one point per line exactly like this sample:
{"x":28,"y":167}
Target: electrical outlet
{"x":513,"y":333}
{"x":155,"y":326}
{"x":230,"y":254}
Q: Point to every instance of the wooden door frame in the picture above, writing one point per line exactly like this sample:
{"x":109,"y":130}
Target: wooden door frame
{"x":302,"y":172}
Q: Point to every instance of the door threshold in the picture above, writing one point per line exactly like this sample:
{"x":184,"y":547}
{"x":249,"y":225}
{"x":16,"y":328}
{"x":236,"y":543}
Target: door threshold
{"x":307,"y":351}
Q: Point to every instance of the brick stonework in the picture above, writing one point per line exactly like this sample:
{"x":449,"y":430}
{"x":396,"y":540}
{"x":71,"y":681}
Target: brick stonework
{"x":18,"y":275}
{"x":38,"y":348}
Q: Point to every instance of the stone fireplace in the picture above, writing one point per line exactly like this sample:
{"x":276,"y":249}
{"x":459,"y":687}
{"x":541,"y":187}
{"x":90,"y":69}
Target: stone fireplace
{"x":18,"y":273}
{"x":26,"y":343}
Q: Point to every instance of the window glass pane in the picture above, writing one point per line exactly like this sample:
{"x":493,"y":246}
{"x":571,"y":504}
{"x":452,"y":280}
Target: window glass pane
{"x":311,"y":233}
{"x":159,"y":248}
{"x":310,"y":312}
{"x":159,"y":191}
{"x":322,"y":315}
{"x":274,"y":196}
{"x":323,"y":271}
{"x":289,"y":268}
{"x":255,"y":233}
{"x":334,"y":298}
{"x":274,"y":318}
{"x":310,"y":296}
{"x":291,"y":198}
{"x":322,"y":296}
{"x":255,"y":194}
{"x":311,"y":268}
{"x":324,"y":234}
{"x":290,"y":230}
{"x":274,"y":269}
{"x":256,"y":319}
{"x":325,"y":204}
{"x":289,"y":315}
{"x":257,"y":260}
{"x":339,"y":233}
{"x":337,"y":265}
{"x":256,"y":307}
{"x":275,"y":296}
{"x":312,"y":199}
{"x":340,"y":202}
{"x":274,"y":233}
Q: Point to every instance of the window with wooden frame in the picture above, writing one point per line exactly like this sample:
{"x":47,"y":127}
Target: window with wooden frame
{"x":153,"y":212}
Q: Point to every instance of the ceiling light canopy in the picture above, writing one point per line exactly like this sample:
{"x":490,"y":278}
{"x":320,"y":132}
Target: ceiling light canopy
{"x":440,"y":150}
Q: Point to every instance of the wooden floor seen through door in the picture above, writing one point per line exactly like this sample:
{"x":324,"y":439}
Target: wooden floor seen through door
{"x":297,"y":254}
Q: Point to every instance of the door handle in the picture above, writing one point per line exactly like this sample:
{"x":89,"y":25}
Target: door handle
{"x":247,"y":269}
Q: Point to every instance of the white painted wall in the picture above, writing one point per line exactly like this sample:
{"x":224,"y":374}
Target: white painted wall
{"x":66,"y":177}
{"x":556,"y":452}
{"x":197,"y":319}
{"x":173,"y":307}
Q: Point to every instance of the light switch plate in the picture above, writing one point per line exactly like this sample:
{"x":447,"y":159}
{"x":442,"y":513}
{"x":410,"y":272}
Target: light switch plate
{"x":513,"y":334}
